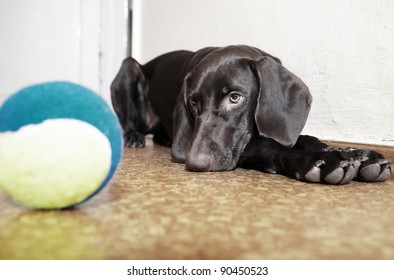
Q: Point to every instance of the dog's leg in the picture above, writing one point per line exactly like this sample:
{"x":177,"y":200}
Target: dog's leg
{"x":313,"y":161}
{"x":269,"y":156}
{"x":130,"y":102}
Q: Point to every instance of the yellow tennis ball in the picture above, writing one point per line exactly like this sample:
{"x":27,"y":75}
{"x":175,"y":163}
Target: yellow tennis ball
{"x":54,"y":164}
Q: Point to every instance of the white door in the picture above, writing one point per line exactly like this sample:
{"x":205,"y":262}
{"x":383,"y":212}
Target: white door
{"x":81,"y":41}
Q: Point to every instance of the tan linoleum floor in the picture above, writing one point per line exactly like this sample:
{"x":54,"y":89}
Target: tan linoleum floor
{"x":154,"y":209}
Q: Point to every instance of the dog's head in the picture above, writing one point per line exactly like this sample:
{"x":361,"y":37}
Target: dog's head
{"x":227,"y":96}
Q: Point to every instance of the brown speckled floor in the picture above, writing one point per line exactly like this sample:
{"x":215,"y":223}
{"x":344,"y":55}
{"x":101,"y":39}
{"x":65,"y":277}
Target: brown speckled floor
{"x":154,"y":209}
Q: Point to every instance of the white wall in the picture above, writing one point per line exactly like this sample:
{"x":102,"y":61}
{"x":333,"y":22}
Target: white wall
{"x":82,"y":41}
{"x":342,"y":49}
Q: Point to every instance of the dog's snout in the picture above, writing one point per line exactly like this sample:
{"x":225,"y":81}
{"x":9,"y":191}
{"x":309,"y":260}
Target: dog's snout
{"x":199,"y":162}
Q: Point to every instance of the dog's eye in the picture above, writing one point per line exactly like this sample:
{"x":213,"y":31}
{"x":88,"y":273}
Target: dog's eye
{"x":192,"y":102}
{"x":235,"y":97}
{"x":194,"y":106}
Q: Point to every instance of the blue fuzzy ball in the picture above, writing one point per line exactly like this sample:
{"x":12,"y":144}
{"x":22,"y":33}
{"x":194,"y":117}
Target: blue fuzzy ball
{"x":58,"y":100}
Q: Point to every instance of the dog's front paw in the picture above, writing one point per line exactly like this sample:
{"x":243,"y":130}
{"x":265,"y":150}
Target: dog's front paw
{"x":374,"y":168}
{"x":370,"y":165}
{"x":134,"y":139}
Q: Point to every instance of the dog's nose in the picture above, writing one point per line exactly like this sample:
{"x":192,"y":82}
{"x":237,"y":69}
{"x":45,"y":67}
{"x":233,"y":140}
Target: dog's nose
{"x":199,"y":162}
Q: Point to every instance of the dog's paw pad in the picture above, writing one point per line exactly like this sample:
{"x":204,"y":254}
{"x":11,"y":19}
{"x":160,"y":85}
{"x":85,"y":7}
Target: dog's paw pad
{"x":350,"y":172}
{"x":343,"y":174}
{"x":313,"y":174}
{"x":376,"y":172}
{"x":335,"y":177}
{"x":386,"y":173}
{"x":134,"y":140}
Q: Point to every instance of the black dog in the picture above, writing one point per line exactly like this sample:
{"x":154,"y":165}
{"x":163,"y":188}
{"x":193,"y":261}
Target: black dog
{"x":219,"y":108}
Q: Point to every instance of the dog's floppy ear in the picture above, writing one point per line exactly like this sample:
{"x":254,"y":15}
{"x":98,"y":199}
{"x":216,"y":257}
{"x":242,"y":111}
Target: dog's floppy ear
{"x":283,"y":103}
{"x":182,"y":125}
